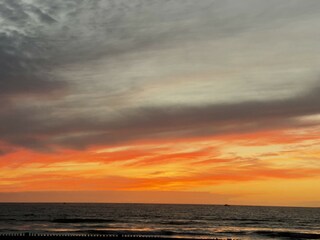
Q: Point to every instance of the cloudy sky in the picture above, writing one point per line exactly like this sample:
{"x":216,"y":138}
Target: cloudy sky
{"x":214,"y":100}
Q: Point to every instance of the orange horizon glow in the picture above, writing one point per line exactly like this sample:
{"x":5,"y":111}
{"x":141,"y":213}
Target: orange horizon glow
{"x":202,"y":102}
{"x":262,"y":168}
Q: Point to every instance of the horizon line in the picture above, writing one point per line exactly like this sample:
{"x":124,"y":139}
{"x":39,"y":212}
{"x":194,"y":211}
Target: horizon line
{"x":155,"y":203}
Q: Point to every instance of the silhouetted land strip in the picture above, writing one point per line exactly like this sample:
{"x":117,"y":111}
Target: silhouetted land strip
{"x":30,"y":236}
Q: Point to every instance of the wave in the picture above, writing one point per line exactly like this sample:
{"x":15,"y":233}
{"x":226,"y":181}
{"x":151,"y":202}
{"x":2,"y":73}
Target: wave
{"x":7,"y":219}
{"x":82,"y":220}
{"x":130,"y":232}
{"x":178,"y":222}
{"x":244,"y":219}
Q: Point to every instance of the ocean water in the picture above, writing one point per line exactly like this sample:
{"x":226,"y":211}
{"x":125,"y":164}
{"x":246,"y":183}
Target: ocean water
{"x":193,"y":221}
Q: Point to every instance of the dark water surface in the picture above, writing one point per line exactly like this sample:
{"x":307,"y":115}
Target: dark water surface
{"x":165,"y":220}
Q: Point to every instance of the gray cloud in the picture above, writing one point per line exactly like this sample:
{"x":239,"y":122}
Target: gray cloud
{"x":121,"y":69}
{"x":185,"y":121}
{"x":169,"y":122}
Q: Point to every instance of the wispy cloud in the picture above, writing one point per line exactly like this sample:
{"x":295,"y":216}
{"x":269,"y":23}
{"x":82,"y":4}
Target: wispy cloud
{"x":106,"y":57}
{"x":80,"y":78}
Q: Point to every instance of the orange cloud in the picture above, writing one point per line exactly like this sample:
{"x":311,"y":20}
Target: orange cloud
{"x":188,"y":165}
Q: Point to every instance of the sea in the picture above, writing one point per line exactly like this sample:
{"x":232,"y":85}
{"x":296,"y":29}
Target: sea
{"x":167,"y":220}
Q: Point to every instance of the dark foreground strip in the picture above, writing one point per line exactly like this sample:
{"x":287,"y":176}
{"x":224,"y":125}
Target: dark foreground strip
{"x":32,"y":236}
{"x":288,"y":235}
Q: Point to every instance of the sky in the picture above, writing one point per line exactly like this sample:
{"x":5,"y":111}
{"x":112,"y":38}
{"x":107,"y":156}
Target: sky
{"x":162,"y":101}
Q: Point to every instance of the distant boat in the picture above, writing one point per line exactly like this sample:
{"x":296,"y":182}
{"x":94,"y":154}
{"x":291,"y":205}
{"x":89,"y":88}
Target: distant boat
{"x":226,"y":205}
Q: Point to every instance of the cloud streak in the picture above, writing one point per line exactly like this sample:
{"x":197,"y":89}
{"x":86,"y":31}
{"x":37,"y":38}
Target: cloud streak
{"x":211,"y":91}
{"x":159,"y":122}
{"x":85,"y":60}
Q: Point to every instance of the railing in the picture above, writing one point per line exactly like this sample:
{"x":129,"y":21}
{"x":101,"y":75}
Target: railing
{"x":49,"y":236}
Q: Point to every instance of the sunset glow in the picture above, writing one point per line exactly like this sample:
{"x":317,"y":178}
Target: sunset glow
{"x":207,"y":102}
